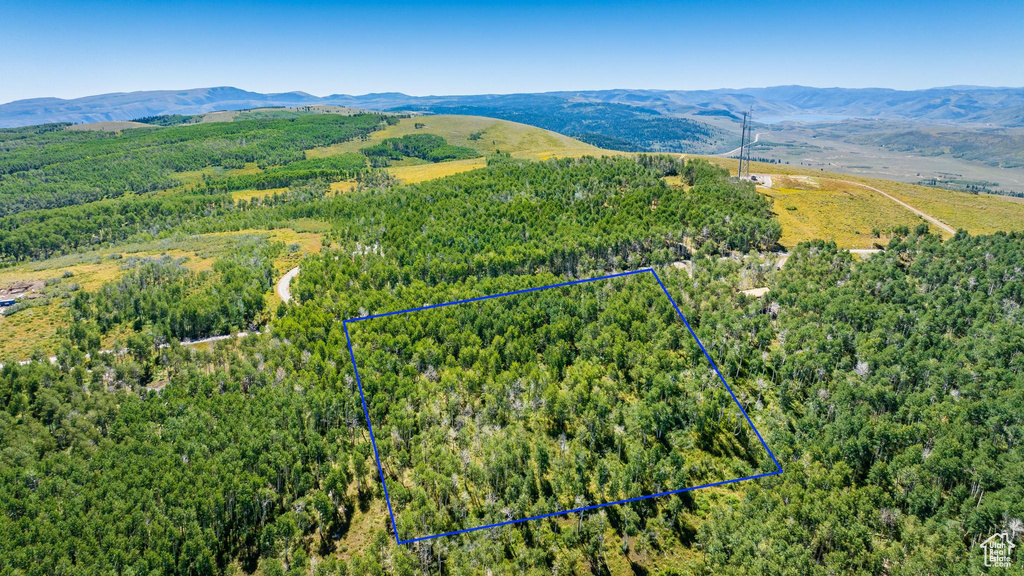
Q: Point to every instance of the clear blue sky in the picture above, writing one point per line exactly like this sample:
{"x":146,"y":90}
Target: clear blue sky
{"x":72,"y":49}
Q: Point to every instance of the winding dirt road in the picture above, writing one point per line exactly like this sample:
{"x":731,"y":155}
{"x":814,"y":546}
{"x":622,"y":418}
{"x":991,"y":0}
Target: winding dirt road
{"x":284,"y":290}
{"x":736,"y":150}
{"x":927,"y":217}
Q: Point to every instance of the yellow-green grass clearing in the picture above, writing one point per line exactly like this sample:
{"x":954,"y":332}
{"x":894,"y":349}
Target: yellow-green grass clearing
{"x":251,"y":194}
{"x":676,"y":181}
{"x":364,"y":525}
{"x":110,"y":126}
{"x":810,"y":208}
{"x":519,"y":140}
{"x":342,"y":187}
{"x":489,"y":135}
{"x":976,"y":213}
{"x":424,"y":172}
{"x":31,"y":330}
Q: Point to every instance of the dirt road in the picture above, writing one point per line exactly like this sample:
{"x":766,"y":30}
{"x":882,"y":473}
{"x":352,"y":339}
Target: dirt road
{"x":284,"y":290}
{"x":736,"y":150}
{"x":927,"y":217}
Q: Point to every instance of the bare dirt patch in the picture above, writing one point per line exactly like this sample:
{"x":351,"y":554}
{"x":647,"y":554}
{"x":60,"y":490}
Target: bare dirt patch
{"x":21,"y":289}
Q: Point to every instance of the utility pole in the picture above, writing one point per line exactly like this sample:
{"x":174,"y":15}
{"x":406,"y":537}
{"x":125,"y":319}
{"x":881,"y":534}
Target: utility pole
{"x":743,"y":148}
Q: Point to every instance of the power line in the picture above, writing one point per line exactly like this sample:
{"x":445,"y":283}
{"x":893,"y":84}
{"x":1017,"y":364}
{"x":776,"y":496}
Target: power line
{"x":744,"y":168}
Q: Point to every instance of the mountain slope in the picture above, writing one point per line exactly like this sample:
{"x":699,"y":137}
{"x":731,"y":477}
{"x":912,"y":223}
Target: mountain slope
{"x":1000,"y":106}
{"x":131,"y":105}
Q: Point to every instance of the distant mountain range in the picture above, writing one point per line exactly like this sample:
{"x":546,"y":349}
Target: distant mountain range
{"x":131,"y":105}
{"x":961,"y":104}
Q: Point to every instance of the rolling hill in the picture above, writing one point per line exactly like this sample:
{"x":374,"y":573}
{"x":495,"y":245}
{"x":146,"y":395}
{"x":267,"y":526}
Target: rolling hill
{"x":873,"y":132}
{"x":132,"y":105}
{"x":958,"y":104}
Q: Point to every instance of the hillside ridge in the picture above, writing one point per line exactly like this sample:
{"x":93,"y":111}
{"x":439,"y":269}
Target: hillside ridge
{"x":985,"y":105}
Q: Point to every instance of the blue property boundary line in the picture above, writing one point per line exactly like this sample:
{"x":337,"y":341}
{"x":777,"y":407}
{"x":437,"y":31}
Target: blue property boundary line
{"x":373,"y":441}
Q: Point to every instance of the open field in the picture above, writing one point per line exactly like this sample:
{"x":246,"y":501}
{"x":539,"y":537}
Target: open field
{"x":485,"y":135}
{"x":111,"y":126}
{"x":519,"y":140}
{"x":342,"y":187}
{"x":809,"y":208}
{"x":220,"y":116}
{"x":489,"y":136}
{"x":250,"y":194}
{"x":431,"y":171}
{"x":976,"y":213}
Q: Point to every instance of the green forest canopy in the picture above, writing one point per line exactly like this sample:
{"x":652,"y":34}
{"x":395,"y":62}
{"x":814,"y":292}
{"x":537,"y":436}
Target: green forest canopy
{"x":528,"y":404}
{"x":429,"y":147}
{"x":890,"y":389}
{"x":47,"y":167}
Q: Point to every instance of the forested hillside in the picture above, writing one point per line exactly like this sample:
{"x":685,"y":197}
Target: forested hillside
{"x":429,"y":147}
{"x":553,"y":400}
{"x":899,"y":385}
{"x":890,"y":389}
{"x":606,"y":125}
{"x":174,"y":303}
{"x":48,"y":167}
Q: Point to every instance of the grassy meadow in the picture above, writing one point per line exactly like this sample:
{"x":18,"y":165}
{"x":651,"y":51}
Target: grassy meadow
{"x":976,"y":213}
{"x":825,"y":205}
{"x":485,"y":135}
{"x":809,"y":208}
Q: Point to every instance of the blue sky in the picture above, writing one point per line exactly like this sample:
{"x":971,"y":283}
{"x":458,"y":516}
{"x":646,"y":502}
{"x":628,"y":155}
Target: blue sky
{"x":72,"y":49}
